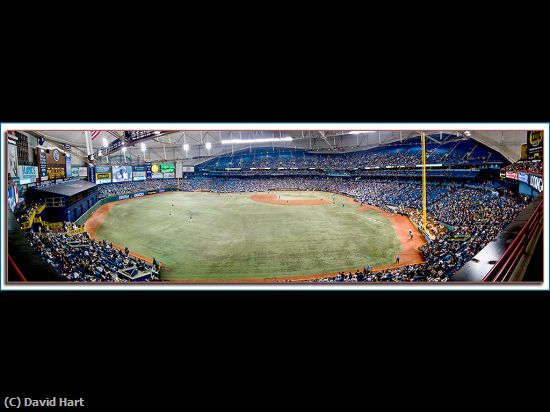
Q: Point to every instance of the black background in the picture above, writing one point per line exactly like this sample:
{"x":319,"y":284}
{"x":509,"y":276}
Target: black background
{"x":222,"y":349}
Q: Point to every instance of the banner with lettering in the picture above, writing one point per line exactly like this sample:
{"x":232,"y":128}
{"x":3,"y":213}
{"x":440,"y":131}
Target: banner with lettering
{"x":534,"y":144}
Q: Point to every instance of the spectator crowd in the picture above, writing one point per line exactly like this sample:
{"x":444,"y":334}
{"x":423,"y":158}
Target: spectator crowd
{"x":79,"y":258}
{"x":118,"y":189}
{"x":450,"y":151}
{"x":527,"y":166}
{"x":475,"y":214}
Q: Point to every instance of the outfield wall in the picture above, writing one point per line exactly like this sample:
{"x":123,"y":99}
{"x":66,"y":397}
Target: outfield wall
{"x":99,"y":203}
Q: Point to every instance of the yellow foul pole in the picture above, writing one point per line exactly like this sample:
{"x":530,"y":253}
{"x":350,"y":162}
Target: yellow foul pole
{"x":423,"y":139}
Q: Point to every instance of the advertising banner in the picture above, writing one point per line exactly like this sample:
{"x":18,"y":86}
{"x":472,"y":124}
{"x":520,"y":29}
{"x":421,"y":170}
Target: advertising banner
{"x":536,"y":183}
{"x":122,"y":174}
{"x":91,"y":173}
{"x":103,"y":174}
{"x":167,"y":168}
{"x":157,"y":176}
{"x":148,"y":169}
{"x":502,"y":175}
{"x":68,"y":165}
{"x":512,"y":175}
{"x":41,"y":157}
{"x":75,"y":172}
{"x":12,"y":197}
{"x":534,"y":144}
{"x":523,"y":177}
{"x":139,"y":173}
{"x":27,"y":174}
{"x":139,"y":194}
{"x":83,"y":171}
{"x":134,"y":135}
{"x":169,"y":175}
{"x":188,"y":169}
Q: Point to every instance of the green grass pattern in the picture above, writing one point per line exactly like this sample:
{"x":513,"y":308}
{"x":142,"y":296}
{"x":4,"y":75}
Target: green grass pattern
{"x":232,"y":237}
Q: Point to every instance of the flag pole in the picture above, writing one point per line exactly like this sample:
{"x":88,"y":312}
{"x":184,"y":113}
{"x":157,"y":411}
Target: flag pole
{"x":423,"y":140}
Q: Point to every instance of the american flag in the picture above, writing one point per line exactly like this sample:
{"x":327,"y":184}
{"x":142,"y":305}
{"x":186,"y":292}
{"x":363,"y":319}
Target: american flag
{"x":95,"y":133}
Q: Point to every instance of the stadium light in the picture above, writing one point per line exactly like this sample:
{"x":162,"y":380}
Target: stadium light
{"x":143,"y":147}
{"x":123,"y":149}
{"x":208,"y":145}
{"x":362,"y":131}
{"x":261,"y":140}
{"x":467,"y":133}
{"x":156,"y":132}
{"x":105,"y":142}
{"x":186,"y":147}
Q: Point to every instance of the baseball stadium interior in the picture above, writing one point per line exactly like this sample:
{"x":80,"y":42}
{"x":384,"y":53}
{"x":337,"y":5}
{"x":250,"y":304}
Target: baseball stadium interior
{"x":307,"y":206}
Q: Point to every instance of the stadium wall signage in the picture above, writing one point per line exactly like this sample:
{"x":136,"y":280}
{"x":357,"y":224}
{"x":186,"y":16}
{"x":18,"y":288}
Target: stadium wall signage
{"x":523,"y":177}
{"x":139,"y":173}
{"x":139,"y":194}
{"x":91,"y":174}
{"x":134,"y":135}
{"x":123,"y":197}
{"x":122,"y":173}
{"x":42,"y":164}
{"x":28,"y":172}
{"x":534,"y":144}
{"x":512,"y":175}
{"x":536,"y":183}
{"x":55,"y":164}
{"x":102,"y":174}
{"x":68,"y":165}
{"x":167,"y":168}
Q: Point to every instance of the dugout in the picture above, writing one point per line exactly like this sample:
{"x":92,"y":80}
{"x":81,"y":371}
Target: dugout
{"x":65,"y":201}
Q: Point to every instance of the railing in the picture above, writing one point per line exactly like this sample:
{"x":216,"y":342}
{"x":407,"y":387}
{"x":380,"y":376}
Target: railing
{"x":53,"y":225}
{"x":502,"y":271}
{"x":28,"y":224}
{"x":75,"y":231}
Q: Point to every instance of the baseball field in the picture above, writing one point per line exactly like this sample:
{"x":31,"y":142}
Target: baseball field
{"x":273,"y":236}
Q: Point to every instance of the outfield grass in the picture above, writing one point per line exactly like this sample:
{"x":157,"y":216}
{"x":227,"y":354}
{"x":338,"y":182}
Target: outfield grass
{"x":231,"y":236}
